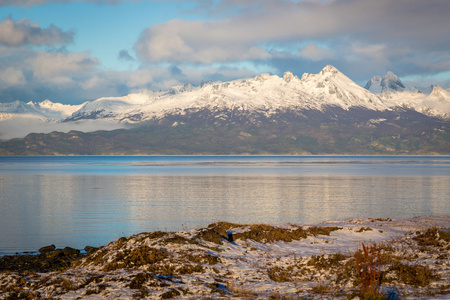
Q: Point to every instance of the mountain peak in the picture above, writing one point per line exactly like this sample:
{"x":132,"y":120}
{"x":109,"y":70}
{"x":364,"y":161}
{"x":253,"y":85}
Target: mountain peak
{"x":329,"y":69}
{"x":288,"y":76}
{"x":437,"y":89}
{"x":390,"y":75}
{"x":374,"y":84}
{"x":391,"y":83}
{"x":388,"y":83}
{"x":440,"y":93}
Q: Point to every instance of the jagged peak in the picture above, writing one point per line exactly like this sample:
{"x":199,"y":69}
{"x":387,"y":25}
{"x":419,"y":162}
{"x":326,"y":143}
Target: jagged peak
{"x":47,"y":101}
{"x":329,"y":69}
{"x":437,"y":88}
{"x":390,"y":82}
{"x":373,"y":84}
{"x":324,"y":73}
{"x":288,"y":76}
{"x":390,"y":75}
{"x":180,"y":88}
{"x":375,"y":78}
{"x":263,"y":76}
{"x":438,"y":91}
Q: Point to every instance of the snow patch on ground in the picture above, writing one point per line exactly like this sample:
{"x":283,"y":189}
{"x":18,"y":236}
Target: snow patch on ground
{"x":206,"y":263}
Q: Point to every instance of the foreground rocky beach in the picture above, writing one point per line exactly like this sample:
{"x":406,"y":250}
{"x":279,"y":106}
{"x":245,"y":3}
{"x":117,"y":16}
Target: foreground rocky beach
{"x":346,"y":259}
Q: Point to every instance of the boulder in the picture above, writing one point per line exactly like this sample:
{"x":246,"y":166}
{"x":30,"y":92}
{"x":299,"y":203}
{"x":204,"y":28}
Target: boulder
{"x":47,"y":249}
{"x":89,"y":250}
{"x":68,"y":251}
{"x":55,"y":253}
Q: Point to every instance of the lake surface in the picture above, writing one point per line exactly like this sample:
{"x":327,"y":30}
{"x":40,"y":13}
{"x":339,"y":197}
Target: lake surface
{"x":91,"y":200}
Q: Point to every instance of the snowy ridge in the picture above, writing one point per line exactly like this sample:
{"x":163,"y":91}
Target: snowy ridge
{"x":332,"y":87}
{"x":107,"y":107}
{"x":265,"y":94}
{"x":45,"y":110}
{"x":441,"y":94}
{"x":436,"y":104}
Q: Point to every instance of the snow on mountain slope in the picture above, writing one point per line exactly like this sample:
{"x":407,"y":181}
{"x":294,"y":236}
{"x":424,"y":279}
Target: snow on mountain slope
{"x":441,"y":94}
{"x":45,"y":110}
{"x":9,"y":110}
{"x":438,"y":102}
{"x":390,"y":82}
{"x":435,"y":104}
{"x":54,"y":111}
{"x":391,"y":90}
{"x":374,"y":85}
{"x":331,"y":87}
{"x":108,"y":107}
{"x":265,"y":93}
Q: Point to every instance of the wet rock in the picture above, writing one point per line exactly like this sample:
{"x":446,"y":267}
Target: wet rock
{"x":47,"y":249}
{"x":68,"y":251}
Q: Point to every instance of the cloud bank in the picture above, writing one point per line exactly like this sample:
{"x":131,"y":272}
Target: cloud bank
{"x":229,"y":39}
{"x":375,"y":31}
{"x":20,"y":127}
{"x":23,"y":32}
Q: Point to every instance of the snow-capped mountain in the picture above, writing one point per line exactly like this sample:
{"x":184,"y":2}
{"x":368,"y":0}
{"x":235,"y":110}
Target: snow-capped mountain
{"x":265,"y":95}
{"x":9,"y":110}
{"x":374,"y":85}
{"x":109,"y":107}
{"x":324,"y":113}
{"x":436,"y":104}
{"x":332,"y":88}
{"x":45,"y":110}
{"x":388,"y":83}
{"x":440,"y":94}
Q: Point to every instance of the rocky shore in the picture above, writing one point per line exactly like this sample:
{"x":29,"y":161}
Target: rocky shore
{"x":349,"y":259}
{"x":48,"y":259}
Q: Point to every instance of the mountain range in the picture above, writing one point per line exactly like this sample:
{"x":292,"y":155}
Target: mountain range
{"x":317,"y":113}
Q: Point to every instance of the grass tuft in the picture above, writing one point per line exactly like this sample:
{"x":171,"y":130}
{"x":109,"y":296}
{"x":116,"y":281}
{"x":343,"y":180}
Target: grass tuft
{"x":369,"y":261}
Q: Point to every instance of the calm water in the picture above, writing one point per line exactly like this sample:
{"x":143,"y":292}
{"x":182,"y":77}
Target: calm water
{"x":90,"y":200}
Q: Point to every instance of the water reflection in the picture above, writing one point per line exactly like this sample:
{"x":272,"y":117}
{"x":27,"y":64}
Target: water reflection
{"x":79,"y":210}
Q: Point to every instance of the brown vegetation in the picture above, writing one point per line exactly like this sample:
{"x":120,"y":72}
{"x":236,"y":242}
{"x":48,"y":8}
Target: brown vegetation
{"x":162,"y":264}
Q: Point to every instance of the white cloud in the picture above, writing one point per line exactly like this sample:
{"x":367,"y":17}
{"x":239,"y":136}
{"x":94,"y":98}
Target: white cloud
{"x":195,"y":42}
{"x":10,"y":77}
{"x":19,"y":127}
{"x":312,"y":52}
{"x":23,"y":32}
{"x":355,"y":30}
{"x":60,"y":67}
{"x":251,"y":36}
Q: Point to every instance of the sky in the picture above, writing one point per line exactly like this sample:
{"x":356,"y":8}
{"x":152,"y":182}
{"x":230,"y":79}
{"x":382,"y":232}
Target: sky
{"x":72,"y":51}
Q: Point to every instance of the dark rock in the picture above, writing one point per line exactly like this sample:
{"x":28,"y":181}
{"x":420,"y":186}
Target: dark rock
{"x":68,"y":251}
{"x":55,"y":253}
{"x":230,"y":236}
{"x":51,"y":261}
{"x":89,"y":250}
{"x":47,"y":249}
